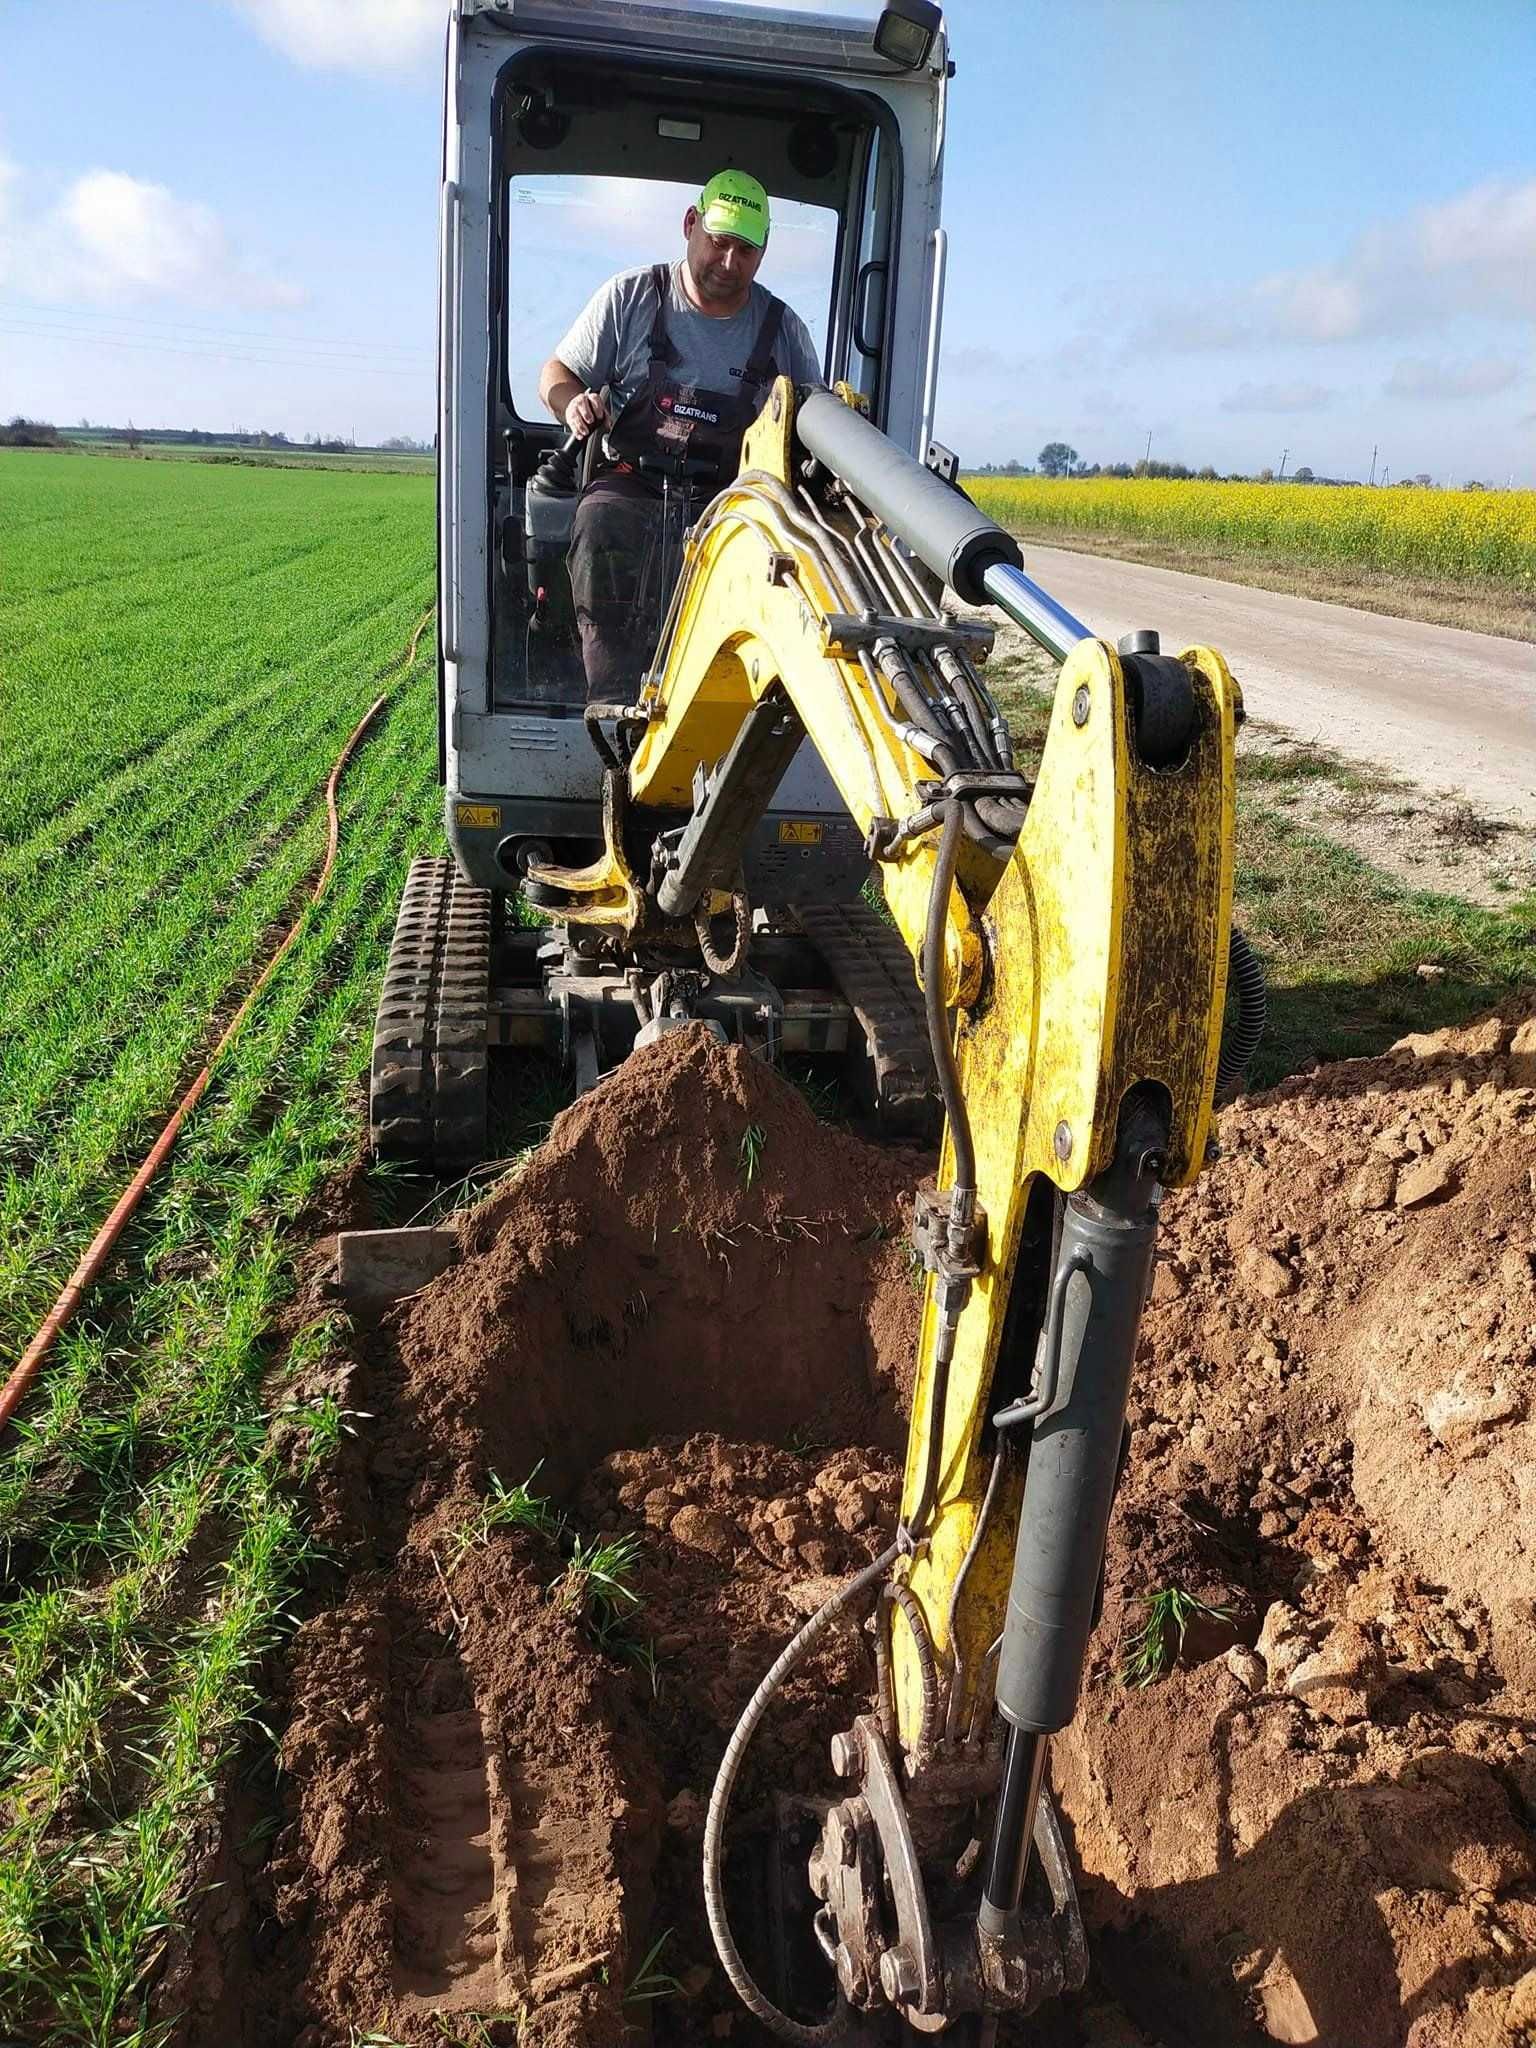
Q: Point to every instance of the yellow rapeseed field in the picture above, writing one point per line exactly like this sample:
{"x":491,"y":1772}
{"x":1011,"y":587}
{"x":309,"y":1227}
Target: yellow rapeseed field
{"x":1483,"y":537}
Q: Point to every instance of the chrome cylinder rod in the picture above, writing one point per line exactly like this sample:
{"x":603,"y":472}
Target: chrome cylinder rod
{"x":1013,"y":1830}
{"x":1042,"y":618}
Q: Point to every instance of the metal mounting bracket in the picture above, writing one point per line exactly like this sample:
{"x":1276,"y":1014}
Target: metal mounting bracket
{"x":852,"y":632}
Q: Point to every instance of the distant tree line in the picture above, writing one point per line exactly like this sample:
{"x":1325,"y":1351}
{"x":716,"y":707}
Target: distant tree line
{"x":24,"y":433}
{"x":1058,"y":458}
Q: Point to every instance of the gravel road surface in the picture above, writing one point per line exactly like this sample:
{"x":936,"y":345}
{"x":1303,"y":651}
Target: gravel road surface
{"x":1453,"y":711}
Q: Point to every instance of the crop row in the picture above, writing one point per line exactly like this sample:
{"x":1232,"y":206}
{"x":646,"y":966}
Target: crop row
{"x":191,"y":645}
{"x":1479,"y":537}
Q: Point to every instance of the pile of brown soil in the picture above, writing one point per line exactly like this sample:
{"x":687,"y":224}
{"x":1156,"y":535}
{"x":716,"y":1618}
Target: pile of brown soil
{"x":690,"y":1317}
{"x":1319,"y":1826}
{"x":494,"y":1780}
{"x":691,"y":1249}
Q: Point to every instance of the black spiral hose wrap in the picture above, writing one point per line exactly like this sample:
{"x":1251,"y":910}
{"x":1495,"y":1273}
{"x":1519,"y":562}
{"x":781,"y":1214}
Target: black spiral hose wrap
{"x":1245,"y":977}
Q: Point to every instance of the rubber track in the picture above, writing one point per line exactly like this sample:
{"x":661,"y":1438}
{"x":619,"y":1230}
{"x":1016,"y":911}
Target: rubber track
{"x":872,"y":968}
{"x":427,"y":1095}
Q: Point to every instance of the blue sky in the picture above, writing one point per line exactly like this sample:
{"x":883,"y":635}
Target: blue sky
{"x":1239,"y":226}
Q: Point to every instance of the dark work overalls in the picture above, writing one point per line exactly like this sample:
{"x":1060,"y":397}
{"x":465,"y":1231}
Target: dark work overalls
{"x":668,"y":452}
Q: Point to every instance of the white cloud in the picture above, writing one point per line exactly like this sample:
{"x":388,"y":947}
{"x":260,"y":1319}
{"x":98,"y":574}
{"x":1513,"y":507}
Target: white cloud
{"x":1416,"y":377}
{"x":1313,"y":305}
{"x":1473,"y":256}
{"x":1484,"y":244}
{"x":121,"y":240}
{"x":352,"y":35}
{"x":141,"y":236}
{"x":1277,"y":398}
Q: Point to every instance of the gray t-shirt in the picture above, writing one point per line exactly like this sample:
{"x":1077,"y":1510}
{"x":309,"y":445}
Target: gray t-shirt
{"x":609,"y":343}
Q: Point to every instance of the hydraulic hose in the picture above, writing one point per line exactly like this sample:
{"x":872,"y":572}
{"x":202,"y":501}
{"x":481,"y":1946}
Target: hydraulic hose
{"x":933,"y":999}
{"x":901,"y":1595}
{"x":741,"y":1979}
{"x":1246,"y":977}
{"x":98,"y":1250}
{"x":939,"y":523}
{"x":963,"y":1185}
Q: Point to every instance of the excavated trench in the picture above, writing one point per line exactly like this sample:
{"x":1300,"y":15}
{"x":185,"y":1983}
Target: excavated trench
{"x":688,"y":1321}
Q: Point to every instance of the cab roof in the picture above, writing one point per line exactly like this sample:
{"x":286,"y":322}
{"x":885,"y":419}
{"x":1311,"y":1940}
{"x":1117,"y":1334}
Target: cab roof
{"x":765,"y":36}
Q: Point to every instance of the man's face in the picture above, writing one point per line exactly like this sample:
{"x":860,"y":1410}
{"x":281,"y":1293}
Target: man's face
{"x":721,"y":266}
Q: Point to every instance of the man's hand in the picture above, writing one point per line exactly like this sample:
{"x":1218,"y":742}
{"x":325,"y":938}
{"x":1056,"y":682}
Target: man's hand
{"x":585,"y":414}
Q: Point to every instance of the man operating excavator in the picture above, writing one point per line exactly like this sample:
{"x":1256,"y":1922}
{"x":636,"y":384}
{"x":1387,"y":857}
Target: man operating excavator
{"x":673,"y":361}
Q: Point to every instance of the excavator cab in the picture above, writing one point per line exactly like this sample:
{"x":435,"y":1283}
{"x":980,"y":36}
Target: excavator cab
{"x":575,"y":137}
{"x":576,"y":133}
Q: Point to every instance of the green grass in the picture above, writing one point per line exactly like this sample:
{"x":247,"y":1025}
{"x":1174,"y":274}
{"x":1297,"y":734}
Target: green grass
{"x":598,"y":1584}
{"x":185,"y":649}
{"x":1153,"y":1647}
{"x":753,"y":1139}
{"x":504,"y":1507}
{"x":650,"y":1981}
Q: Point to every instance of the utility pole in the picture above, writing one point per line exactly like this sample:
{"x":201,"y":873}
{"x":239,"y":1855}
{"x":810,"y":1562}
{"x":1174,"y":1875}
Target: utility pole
{"x":1284,"y":453}
{"x":1148,"y":456}
{"x":1374,"y":446}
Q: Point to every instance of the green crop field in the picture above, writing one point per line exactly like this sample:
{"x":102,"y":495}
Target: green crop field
{"x":183,"y":649}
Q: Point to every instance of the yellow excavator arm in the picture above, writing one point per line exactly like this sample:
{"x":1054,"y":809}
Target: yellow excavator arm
{"x":1070,"y":936}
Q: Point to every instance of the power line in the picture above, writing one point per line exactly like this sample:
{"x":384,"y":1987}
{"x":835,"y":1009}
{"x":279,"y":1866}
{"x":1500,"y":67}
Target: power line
{"x":33,"y":309}
{"x":420,"y":366}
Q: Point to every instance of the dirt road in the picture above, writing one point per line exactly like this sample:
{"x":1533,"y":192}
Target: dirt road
{"x":1448,"y":709}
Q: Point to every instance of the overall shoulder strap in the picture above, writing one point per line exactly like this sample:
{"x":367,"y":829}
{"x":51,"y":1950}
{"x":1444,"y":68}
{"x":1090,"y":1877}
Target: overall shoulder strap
{"x":661,"y":346}
{"x":760,"y":365}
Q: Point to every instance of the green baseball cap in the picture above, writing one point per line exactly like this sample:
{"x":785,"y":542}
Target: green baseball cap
{"x":734,"y":204}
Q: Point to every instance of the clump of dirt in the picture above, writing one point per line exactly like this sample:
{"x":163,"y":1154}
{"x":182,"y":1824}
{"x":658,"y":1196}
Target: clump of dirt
{"x":1319,"y":1825}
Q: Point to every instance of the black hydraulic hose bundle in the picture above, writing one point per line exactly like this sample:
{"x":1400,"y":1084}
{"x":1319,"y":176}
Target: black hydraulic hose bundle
{"x":838,"y":556}
{"x":1245,"y":977}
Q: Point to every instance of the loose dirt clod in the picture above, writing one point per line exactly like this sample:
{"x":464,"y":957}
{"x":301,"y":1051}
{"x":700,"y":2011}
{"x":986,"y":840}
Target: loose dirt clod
{"x":1315,"y":1827}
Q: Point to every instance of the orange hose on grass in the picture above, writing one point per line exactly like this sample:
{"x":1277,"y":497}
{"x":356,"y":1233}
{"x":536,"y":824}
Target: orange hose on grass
{"x":95,"y":1255}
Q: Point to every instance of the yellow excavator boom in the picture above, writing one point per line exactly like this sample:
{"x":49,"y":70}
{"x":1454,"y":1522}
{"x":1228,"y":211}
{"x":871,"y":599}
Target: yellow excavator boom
{"x":1071,"y":938}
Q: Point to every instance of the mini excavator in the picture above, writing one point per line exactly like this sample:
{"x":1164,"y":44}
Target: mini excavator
{"x":1061,"y":941}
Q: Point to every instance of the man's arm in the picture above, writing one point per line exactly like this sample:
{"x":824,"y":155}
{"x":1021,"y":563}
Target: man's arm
{"x":584,"y":361}
{"x":569,"y":399}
